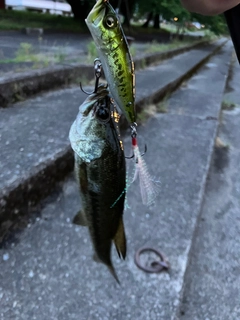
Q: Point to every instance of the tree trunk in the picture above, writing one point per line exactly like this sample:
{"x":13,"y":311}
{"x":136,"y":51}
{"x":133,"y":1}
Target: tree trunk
{"x":2,"y":4}
{"x":80,"y":9}
{"x":149,"y":18}
{"x":156,"y":24}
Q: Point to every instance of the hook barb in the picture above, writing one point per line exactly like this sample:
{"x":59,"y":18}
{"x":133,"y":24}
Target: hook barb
{"x":98,"y":73}
{"x":132,"y":156}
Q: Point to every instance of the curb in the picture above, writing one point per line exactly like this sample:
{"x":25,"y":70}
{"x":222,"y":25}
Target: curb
{"x":205,"y":178}
{"x":21,"y":198}
{"x":26,"y":84}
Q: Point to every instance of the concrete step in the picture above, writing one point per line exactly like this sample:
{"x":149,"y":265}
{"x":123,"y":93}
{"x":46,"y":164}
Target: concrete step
{"x":19,"y":86}
{"x":48,"y":268}
{"x":212,"y":287}
{"x":34,"y":134}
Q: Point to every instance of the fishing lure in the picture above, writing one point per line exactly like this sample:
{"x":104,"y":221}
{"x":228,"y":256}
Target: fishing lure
{"x":115,"y":56}
{"x":149,"y":188}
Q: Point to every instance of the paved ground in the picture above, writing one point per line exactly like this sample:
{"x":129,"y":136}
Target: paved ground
{"x":55,"y":48}
{"x":212,"y":281}
{"x":37,"y":129}
{"x":47,"y":269}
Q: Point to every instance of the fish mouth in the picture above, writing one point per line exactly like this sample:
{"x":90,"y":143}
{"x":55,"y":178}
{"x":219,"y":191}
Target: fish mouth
{"x":97,"y":13}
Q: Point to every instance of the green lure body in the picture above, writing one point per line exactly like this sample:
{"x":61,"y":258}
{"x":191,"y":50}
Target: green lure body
{"x":115,"y":57}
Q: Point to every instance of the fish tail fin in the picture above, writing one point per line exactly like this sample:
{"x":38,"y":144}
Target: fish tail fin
{"x":108,"y":263}
{"x":113,"y":272}
{"x":120,"y":240}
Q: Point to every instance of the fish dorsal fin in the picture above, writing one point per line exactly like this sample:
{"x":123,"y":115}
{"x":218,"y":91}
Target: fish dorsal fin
{"x":80,"y":219}
{"x":120,"y":240}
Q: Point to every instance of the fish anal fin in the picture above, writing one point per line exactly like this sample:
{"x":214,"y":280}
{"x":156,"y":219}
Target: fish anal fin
{"x":80,"y":219}
{"x":120,"y":240}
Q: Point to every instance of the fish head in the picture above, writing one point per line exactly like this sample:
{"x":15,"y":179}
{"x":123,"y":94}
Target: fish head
{"x":88,"y":132}
{"x":104,"y":25}
{"x":95,"y":107}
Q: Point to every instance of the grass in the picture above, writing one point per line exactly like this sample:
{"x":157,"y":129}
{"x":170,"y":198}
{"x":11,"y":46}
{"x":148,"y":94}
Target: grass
{"x":159,"y":47}
{"x":26,"y":53}
{"x":146,"y":112}
{"x":162,"y":106}
{"x":16,"y":20}
{"x":229,"y":105}
{"x":151,"y":109}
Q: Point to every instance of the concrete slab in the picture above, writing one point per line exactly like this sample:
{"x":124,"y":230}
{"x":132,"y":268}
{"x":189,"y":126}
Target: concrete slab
{"x":170,"y":69}
{"x":55,"y":276}
{"x":212,"y":280}
{"x":35,"y":131}
{"x":50,"y":266}
{"x":21,"y":85}
{"x":210,"y":77}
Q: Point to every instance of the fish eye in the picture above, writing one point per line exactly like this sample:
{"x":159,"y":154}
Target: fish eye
{"x":110,"y":21}
{"x":103,"y":114}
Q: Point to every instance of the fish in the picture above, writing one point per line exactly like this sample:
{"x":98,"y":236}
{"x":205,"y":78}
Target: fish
{"x":101,"y":174}
{"x":115,"y":57}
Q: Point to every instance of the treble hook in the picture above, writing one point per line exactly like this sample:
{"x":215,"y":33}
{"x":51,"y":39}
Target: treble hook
{"x":145,"y":151}
{"x":98,"y":73}
{"x":134,"y":135}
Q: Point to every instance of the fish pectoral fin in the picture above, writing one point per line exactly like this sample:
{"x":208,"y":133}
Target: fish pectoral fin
{"x":120,"y":240}
{"x":80,"y":219}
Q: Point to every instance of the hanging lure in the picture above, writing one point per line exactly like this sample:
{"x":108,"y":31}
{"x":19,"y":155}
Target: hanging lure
{"x":148,"y":186}
{"x":115,"y":57}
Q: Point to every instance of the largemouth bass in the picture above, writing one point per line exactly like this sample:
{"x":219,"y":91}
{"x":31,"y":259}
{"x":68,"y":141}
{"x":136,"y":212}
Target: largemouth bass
{"x":101,"y":173}
{"x":115,"y":57}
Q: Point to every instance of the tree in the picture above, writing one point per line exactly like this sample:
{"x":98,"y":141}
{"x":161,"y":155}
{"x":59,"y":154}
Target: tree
{"x":2,"y":4}
{"x":216,"y":24}
{"x":156,"y":21}
{"x":149,"y":18}
{"x":126,"y":8}
{"x":81,"y":8}
{"x":167,"y":9}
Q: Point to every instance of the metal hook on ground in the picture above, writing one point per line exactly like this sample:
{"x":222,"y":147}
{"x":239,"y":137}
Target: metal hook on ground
{"x":155,"y":266}
{"x":98,"y":73}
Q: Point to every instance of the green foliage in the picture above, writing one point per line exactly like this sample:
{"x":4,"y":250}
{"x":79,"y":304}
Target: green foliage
{"x":16,"y":20}
{"x":228,"y":105}
{"x":216,"y":24}
{"x":25,"y":53}
{"x":168,"y":9}
{"x":162,"y":107}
